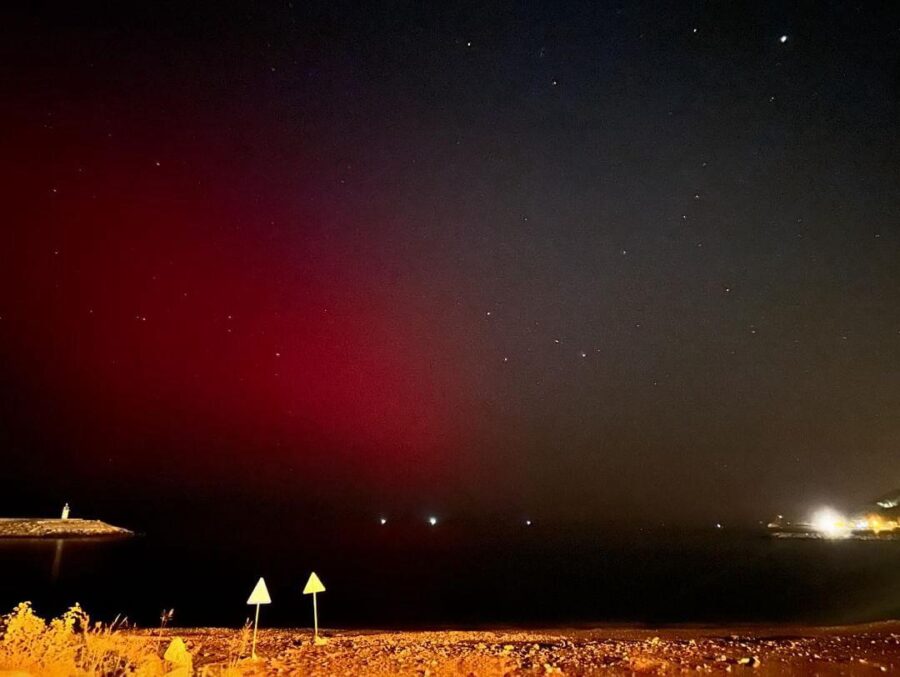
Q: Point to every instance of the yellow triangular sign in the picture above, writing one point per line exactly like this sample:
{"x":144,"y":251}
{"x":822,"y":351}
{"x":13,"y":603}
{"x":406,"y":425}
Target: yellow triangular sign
{"x":313,"y":585}
{"x":260,"y":594}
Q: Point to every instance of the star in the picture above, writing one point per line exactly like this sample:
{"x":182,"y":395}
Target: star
{"x":783,"y":39}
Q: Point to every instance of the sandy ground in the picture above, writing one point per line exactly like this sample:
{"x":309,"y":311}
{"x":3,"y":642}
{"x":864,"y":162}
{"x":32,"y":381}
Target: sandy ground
{"x":854,"y":650}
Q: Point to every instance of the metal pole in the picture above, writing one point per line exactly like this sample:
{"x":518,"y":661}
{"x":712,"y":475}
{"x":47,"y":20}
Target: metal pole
{"x":255,"y":625}
{"x":315,"y":616}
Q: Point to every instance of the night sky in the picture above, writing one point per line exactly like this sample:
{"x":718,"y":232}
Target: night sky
{"x":564,"y":260}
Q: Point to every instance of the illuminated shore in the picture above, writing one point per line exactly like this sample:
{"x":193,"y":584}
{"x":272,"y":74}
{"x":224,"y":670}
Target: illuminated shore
{"x":852,"y":535}
{"x":33,"y":527}
{"x":862,"y":649}
{"x":876,"y":522}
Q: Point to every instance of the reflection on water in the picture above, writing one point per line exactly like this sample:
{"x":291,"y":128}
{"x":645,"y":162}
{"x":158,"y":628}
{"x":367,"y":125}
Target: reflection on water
{"x":43,"y":554}
{"x":28,"y":561}
{"x":57,"y":560}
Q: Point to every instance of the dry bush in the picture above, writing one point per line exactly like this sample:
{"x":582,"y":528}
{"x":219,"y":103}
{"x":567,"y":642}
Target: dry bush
{"x":70,"y":646}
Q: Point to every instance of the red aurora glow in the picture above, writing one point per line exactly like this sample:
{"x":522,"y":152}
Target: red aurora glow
{"x":165,"y":305}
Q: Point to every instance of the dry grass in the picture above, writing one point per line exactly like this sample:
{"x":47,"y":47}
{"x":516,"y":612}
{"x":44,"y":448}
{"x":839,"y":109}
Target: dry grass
{"x":72,"y":646}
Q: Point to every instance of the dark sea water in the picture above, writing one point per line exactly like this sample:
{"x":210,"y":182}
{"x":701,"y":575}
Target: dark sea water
{"x":407,"y":574}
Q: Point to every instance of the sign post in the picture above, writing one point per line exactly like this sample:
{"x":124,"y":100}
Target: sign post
{"x":313,"y":586}
{"x":260,"y":595}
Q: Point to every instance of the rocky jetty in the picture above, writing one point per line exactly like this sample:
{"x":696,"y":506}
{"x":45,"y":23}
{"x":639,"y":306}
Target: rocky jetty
{"x":33,"y":527}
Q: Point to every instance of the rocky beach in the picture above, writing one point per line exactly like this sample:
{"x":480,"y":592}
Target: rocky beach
{"x":852,"y":650}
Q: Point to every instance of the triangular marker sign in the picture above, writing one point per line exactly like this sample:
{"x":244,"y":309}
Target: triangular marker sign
{"x":260,"y":594}
{"x":313,"y":585}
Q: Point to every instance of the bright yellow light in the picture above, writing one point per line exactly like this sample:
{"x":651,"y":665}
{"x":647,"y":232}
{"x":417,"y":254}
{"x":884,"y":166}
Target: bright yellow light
{"x":877,"y":524}
{"x":830,"y":523}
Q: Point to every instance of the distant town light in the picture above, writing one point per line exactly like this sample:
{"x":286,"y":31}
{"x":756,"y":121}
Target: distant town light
{"x":432,"y":521}
{"x":527,"y":523}
{"x":830,"y":523}
{"x":382,"y":521}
